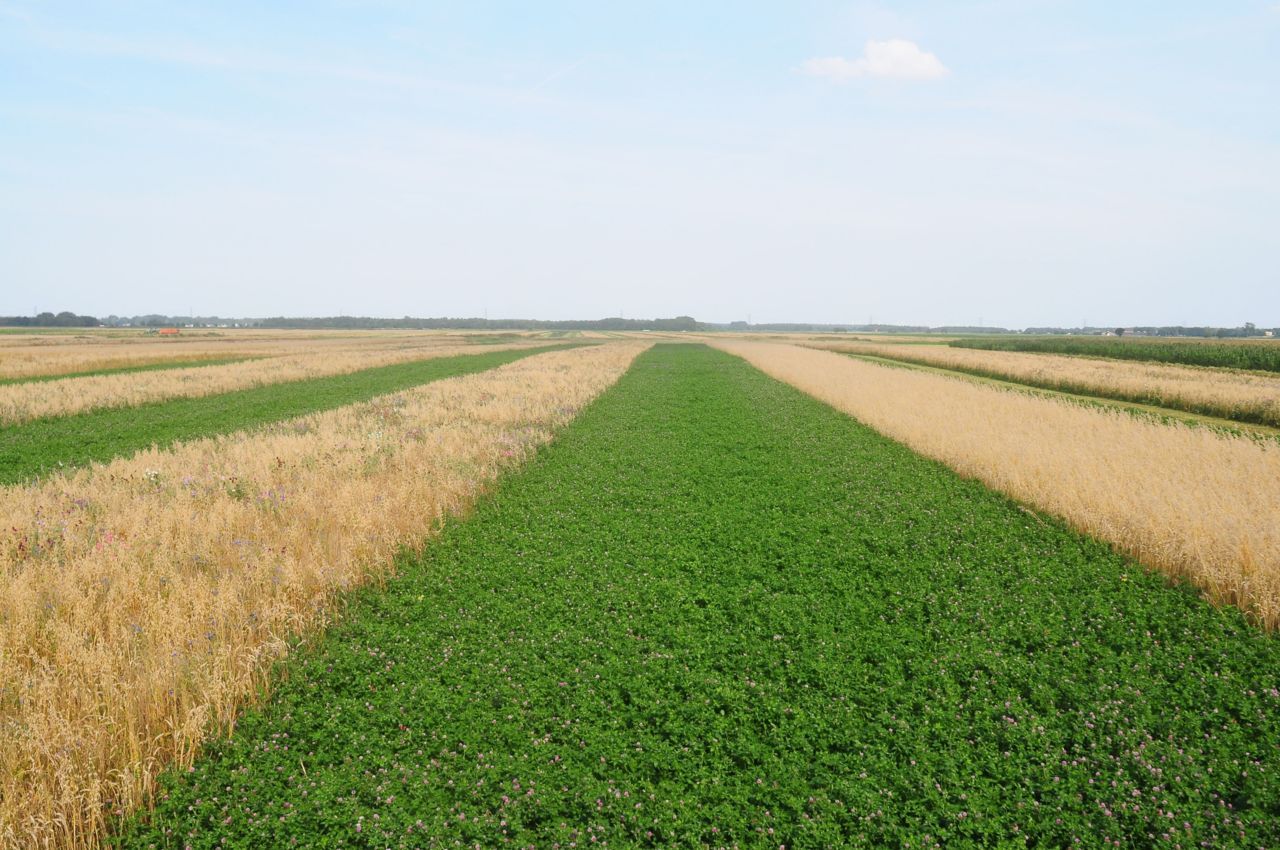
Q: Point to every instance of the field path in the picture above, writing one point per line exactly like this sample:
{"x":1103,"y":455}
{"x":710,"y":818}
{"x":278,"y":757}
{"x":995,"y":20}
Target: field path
{"x":716,"y":612}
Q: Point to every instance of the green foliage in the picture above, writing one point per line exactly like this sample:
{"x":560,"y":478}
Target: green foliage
{"x":718,"y":613}
{"x":34,"y":448}
{"x":1257,"y":355}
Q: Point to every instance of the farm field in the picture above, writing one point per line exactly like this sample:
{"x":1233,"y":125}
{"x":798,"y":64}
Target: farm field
{"x":47,"y":353}
{"x":1258,"y":354}
{"x":1250,"y":397}
{"x":126,"y":367}
{"x":143,"y":602}
{"x":717,"y":612}
{"x":1189,"y":501}
{"x":44,"y":445}
{"x":30,"y":400}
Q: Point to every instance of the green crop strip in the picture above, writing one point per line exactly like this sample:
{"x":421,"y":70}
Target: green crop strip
{"x":716,"y":612}
{"x":34,"y":448}
{"x":1262,"y":356}
{"x":125,"y":370}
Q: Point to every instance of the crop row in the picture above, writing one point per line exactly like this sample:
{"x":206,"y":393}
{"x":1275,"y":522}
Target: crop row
{"x":1261,"y":355}
{"x":47,"y":355}
{"x":46,"y":445}
{"x":28,"y":401}
{"x":143,"y":602}
{"x":1239,"y":396}
{"x":718,"y":613}
{"x":135,"y":366}
{"x":1189,"y":501}
{"x":51,"y":361}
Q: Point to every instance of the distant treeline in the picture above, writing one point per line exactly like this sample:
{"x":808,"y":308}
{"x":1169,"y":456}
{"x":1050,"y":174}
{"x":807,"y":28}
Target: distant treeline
{"x":50,"y":320}
{"x":155,"y":320}
{"x":679,"y":323}
{"x":810,"y":327}
{"x":1246,"y":330}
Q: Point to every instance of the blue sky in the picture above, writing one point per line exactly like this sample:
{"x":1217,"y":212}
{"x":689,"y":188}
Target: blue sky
{"x":1015,"y":163}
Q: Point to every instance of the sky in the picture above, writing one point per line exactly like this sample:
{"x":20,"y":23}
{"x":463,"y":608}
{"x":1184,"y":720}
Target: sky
{"x":1000,"y":162}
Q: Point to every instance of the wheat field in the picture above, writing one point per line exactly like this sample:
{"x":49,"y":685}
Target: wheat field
{"x":1191,"y":502}
{"x":44,"y":357}
{"x":23,"y":402}
{"x":1247,"y":396}
{"x":143,"y":601}
{"x":26,"y":356}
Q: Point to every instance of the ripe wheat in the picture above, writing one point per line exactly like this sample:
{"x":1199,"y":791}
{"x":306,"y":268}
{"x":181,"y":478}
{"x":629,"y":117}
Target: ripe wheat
{"x":142,"y":602}
{"x":1245,"y":396}
{"x":26,"y":401}
{"x":25,"y":356}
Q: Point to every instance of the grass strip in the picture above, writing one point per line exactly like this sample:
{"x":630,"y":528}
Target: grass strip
{"x":43,"y":445}
{"x":1260,"y":355}
{"x":124,"y":370}
{"x":718,"y":613}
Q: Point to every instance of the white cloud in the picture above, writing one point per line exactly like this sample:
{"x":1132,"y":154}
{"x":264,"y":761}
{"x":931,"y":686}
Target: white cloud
{"x":893,"y":59}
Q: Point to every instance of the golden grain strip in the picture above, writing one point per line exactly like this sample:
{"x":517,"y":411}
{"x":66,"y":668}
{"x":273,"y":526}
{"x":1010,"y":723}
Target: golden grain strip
{"x":51,"y":356}
{"x":41,"y":367}
{"x":1221,"y":392}
{"x":142,"y":602}
{"x":24,"y":402}
{"x":1188,"y":501}
{"x":31,"y":356}
{"x":43,"y":360}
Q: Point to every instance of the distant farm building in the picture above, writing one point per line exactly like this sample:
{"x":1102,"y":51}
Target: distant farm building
{"x":169,"y":332}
